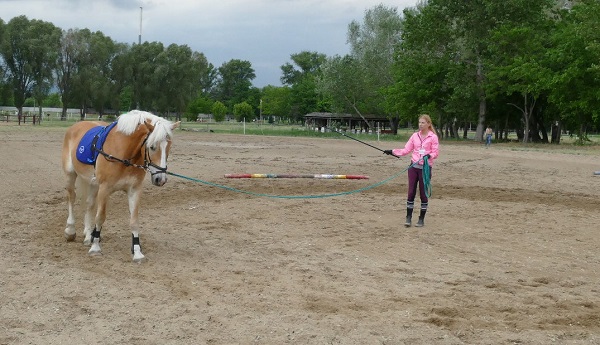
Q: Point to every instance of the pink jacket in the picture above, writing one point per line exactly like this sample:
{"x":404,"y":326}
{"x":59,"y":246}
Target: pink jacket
{"x":419,"y":146}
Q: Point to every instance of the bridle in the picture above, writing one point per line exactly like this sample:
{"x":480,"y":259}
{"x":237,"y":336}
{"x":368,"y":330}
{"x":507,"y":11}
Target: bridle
{"x":127,"y":162}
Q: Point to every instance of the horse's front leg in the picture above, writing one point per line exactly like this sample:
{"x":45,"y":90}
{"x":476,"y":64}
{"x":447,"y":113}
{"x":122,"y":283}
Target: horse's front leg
{"x":134,"y":202}
{"x":101,"y":200}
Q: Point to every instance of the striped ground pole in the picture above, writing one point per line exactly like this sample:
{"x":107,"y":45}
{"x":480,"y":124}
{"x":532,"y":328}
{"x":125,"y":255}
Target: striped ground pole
{"x":314,"y":176}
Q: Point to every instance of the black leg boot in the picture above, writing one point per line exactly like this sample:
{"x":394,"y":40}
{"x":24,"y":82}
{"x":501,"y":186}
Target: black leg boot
{"x":421,"y":220}
{"x":409,"y":212}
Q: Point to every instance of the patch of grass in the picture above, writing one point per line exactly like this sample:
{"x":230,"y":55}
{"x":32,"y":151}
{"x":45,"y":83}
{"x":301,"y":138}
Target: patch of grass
{"x":293,"y":130}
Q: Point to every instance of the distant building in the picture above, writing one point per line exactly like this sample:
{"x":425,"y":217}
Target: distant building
{"x":348,"y":122}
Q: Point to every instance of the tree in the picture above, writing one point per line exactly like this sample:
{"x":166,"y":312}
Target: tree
{"x":234,"y":82}
{"x":573,"y":60}
{"x":373,"y":44}
{"x":143,"y":62}
{"x":28,"y":49}
{"x":517,"y":67}
{"x":422,"y":67}
{"x":303,"y":64}
{"x":94,"y":78}
{"x":243,"y":112}
{"x":356,"y":82}
{"x":121,"y":76}
{"x":343,"y":81}
{"x":177,"y":76}
{"x":301,"y":75}
{"x":276,"y":101}
{"x":200,"y":105}
{"x":52,"y":101}
{"x":219,"y":110}
{"x":468,"y":32}
{"x":67,"y":67}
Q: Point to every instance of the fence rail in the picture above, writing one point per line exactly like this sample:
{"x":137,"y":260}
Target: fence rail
{"x":23,"y":119}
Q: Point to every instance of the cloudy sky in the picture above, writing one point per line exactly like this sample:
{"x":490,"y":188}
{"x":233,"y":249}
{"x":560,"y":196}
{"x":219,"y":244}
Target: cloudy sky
{"x":264,"y":32}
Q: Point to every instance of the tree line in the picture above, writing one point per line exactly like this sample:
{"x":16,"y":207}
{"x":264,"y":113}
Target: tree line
{"x":530,"y":66}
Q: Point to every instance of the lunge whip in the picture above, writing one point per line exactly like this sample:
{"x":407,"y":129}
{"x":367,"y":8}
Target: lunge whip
{"x":426,"y":171}
{"x":360,"y":141}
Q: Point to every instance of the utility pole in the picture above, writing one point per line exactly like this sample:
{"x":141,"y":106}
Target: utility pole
{"x":139,"y":43}
{"x":140,"y":36}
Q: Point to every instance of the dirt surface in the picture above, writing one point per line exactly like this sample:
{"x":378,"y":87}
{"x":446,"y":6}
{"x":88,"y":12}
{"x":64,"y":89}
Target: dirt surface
{"x":508,"y":255}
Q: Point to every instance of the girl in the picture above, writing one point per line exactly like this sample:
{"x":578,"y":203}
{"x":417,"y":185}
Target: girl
{"x":423,"y":143}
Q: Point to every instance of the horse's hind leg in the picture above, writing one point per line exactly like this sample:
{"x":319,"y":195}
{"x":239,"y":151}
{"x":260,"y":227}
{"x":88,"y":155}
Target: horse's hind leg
{"x":92,"y":194}
{"x":101,"y":200}
{"x":70,"y":232}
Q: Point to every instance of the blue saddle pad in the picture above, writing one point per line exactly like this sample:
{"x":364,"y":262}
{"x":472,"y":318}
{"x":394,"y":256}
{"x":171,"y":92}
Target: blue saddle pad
{"x":92,"y":142}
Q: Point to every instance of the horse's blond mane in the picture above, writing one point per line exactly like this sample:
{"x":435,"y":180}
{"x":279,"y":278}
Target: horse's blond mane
{"x":128,"y":123}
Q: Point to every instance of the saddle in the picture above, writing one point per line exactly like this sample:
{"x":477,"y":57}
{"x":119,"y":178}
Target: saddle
{"x":91,"y":144}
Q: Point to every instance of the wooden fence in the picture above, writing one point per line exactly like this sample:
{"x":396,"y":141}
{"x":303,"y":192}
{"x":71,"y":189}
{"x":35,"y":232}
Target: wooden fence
{"x":23,"y":119}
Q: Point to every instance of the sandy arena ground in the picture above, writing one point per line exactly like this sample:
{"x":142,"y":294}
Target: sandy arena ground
{"x":509,"y":253}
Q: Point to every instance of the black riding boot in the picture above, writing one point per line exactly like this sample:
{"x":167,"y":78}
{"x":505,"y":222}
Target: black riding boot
{"x":409,"y":212}
{"x":421,"y":220}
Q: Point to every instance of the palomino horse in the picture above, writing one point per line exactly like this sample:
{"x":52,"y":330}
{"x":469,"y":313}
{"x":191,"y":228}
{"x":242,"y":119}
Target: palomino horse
{"x":108,"y":159}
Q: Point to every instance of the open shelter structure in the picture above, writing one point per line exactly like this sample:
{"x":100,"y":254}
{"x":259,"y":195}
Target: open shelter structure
{"x":346,"y":122}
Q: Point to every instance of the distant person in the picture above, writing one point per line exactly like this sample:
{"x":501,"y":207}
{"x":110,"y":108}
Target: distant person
{"x":488,"y":136}
{"x":423,"y":146}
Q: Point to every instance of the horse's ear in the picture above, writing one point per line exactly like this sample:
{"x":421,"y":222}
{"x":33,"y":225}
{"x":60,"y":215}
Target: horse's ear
{"x":176,"y":125}
{"x":149,"y":125}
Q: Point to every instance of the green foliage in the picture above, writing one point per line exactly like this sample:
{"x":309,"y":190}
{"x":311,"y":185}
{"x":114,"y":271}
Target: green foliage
{"x":234,"y":83}
{"x":357,"y":83}
{"x":301,"y":76}
{"x":52,"y":101}
{"x":573,"y":59}
{"x":200,"y":105}
{"x":517,"y":66}
{"x":303,"y":64}
{"x":28,"y":49}
{"x":276,"y":101}
{"x":219,"y":110}
{"x":513,"y":63}
{"x":243,"y":112}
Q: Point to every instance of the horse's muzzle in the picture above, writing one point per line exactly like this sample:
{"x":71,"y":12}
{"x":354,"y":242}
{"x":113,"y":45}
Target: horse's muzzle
{"x":158,"y":175}
{"x":159,"y":179}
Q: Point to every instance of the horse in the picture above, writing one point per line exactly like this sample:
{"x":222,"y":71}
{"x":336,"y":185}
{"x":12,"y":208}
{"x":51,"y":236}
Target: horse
{"x":104,"y":158}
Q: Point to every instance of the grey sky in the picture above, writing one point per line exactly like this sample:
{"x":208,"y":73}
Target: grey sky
{"x":264,"y":32}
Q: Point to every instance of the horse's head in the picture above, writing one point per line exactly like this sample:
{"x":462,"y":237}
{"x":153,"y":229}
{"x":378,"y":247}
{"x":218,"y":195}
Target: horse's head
{"x":157,"y":147}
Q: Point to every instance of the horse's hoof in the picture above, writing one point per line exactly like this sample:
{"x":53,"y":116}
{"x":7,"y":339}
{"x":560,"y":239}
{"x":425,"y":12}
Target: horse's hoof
{"x":87,"y":241}
{"x":70,"y":233}
{"x":95,"y":253}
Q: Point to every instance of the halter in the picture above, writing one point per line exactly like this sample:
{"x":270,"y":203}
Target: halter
{"x":128,"y":163}
{"x":148,"y":161}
